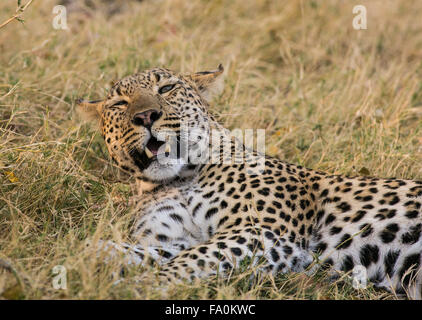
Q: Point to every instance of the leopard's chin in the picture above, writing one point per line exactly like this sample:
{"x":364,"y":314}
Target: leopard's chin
{"x":163,"y":172}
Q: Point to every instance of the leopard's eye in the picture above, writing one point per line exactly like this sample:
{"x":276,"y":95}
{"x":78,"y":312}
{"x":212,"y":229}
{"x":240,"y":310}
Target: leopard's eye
{"x":119,"y":103}
{"x":166,"y":88}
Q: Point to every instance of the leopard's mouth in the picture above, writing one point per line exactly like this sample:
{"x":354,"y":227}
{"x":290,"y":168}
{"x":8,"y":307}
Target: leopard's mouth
{"x":153,"y":146}
{"x":154,"y":151}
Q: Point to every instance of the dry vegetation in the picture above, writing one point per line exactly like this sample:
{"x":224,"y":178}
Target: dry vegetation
{"x":330,"y":97}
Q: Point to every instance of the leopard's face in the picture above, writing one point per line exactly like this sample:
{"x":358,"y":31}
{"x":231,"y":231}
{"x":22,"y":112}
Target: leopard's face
{"x":150,"y":121}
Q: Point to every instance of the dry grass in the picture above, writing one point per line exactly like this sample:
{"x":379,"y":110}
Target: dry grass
{"x":330,"y":97}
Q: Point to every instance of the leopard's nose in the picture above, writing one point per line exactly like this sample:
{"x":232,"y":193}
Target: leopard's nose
{"x":146,"y":118}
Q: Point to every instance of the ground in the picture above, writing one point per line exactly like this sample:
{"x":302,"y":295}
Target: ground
{"x":330,"y":97}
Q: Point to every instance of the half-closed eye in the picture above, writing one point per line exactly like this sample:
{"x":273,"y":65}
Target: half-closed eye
{"x":119,"y":103}
{"x":166,"y":88}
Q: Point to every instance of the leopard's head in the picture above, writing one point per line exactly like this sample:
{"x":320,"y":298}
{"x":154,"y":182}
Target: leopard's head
{"x":145,"y":116}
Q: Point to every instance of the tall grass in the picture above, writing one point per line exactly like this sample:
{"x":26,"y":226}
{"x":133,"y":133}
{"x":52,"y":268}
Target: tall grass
{"x":329,"y":97}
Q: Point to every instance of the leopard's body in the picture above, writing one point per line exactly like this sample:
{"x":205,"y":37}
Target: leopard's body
{"x":197,"y":219}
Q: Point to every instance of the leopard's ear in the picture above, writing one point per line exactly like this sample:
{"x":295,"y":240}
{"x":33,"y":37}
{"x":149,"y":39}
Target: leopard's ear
{"x":209,"y":83}
{"x":89,"y":110}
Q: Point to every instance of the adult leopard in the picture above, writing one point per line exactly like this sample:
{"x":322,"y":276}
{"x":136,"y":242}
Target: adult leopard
{"x":197,"y":218}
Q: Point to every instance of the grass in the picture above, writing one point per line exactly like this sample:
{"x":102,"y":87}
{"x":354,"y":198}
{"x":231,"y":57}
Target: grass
{"x":329,"y":97}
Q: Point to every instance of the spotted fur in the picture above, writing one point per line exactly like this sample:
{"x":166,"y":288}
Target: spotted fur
{"x":200,"y":219}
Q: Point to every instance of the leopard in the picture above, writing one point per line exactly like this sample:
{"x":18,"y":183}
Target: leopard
{"x":204,"y":218}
